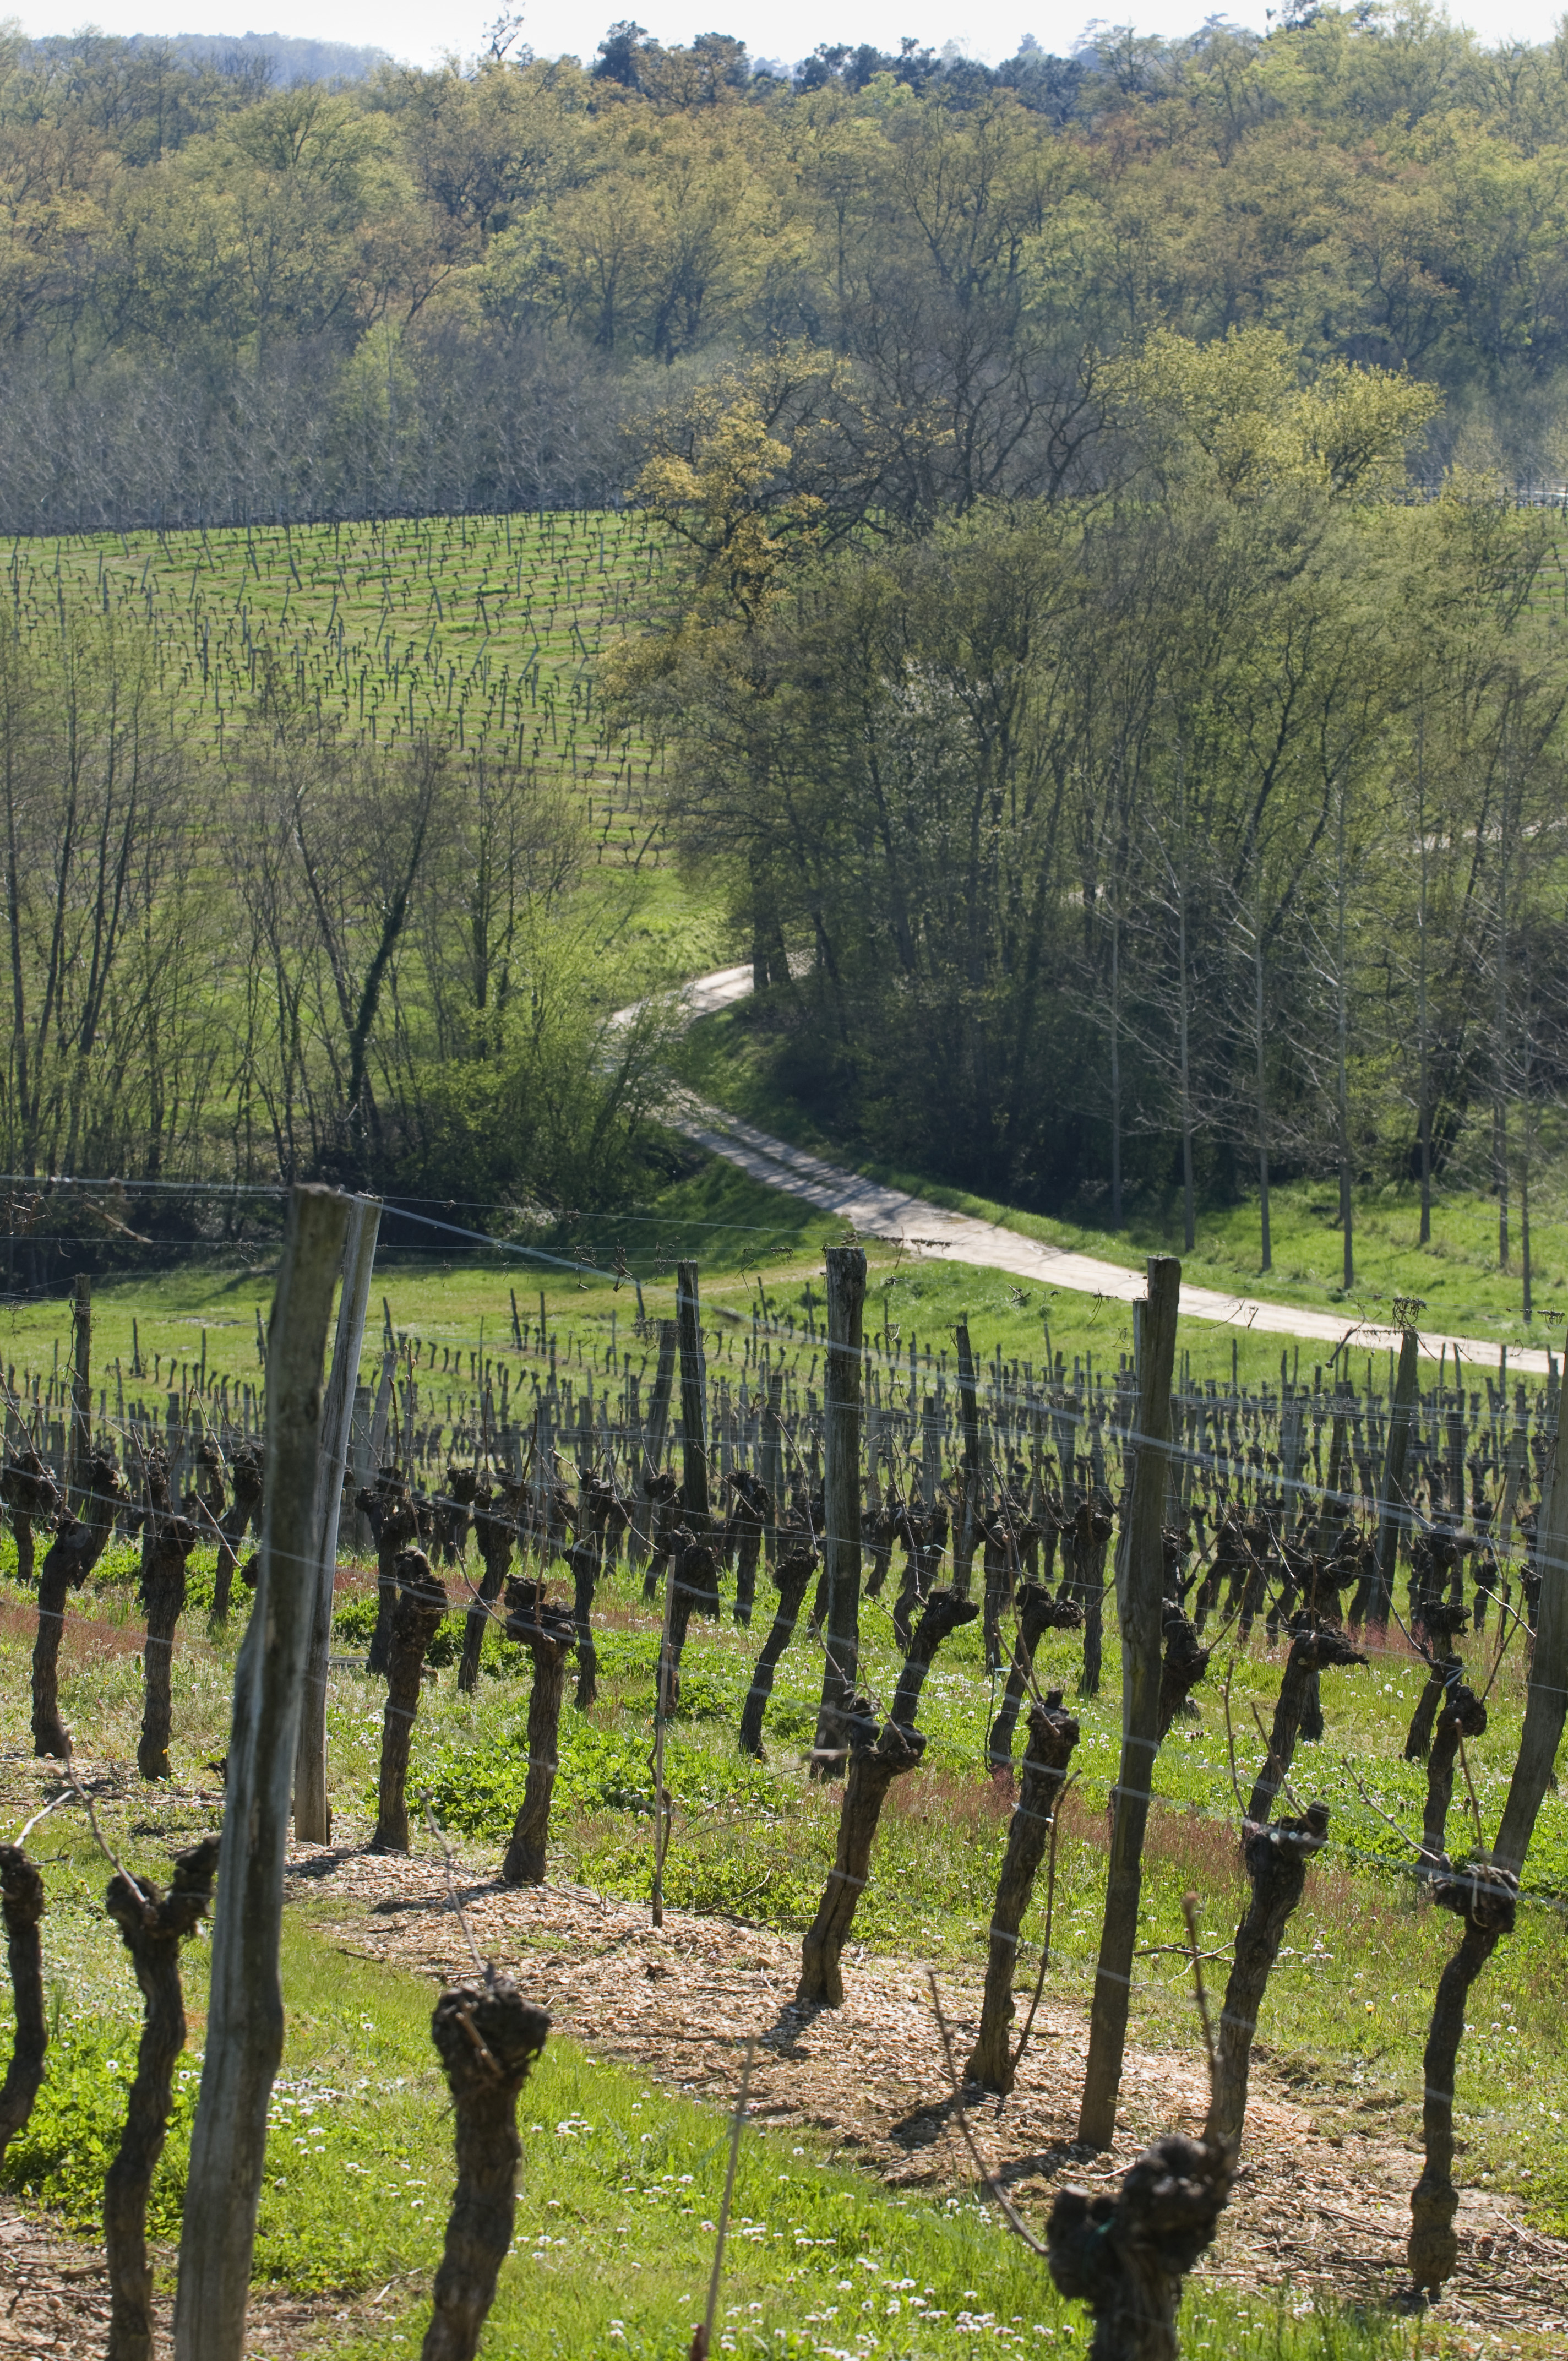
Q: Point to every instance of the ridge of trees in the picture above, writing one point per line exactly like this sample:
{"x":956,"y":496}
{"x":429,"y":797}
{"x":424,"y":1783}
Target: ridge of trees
{"x":456,"y":287}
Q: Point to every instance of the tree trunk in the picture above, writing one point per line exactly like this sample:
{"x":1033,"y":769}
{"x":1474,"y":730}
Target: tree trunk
{"x":22,"y":1906}
{"x":791,"y":1574}
{"x":31,"y":1496}
{"x":486,"y":2042}
{"x":422,"y":1603}
{"x":1143,"y":1586}
{"x":495,"y":1531}
{"x":876,"y":1759}
{"x":1277,"y":1861}
{"x":1311,"y":1650}
{"x":1125,"y":2257}
{"x":1038,"y":1612}
{"x":1053,"y":1734}
{"x":152,"y":1930}
{"x":167,"y":1542}
{"x":72,"y":1555}
{"x":394,"y":1520}
{"x":1462,"y":1716}
{"x":583,"y":1559}
{"x":549,"y":1635}
{"x":1485,"y":1899}
{"x":246,"y":1476}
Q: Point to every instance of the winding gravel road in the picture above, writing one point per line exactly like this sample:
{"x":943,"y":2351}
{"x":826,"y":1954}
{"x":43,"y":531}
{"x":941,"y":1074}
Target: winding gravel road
{"x":891,"y":1213}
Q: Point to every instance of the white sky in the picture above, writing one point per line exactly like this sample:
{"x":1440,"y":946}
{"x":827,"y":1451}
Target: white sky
{"x":990,"y":28}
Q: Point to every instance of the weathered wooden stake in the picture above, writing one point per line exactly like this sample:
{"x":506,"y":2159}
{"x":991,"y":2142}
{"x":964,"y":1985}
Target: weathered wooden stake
{"x":1394,"y":1517}
{"x":841,"y":1499}
{"x":245,"y":2016}
{"x":312,"y":1818}
{"x":1141,"y":1665}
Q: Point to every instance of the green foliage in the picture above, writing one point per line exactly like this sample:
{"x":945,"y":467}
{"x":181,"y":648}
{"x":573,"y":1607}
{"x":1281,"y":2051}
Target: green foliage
{"x":60,"y":2158}
{"x":479,"y":1789}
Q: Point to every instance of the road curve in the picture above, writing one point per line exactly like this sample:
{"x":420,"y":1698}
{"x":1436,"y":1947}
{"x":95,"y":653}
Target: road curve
{"x":891,"y":1213}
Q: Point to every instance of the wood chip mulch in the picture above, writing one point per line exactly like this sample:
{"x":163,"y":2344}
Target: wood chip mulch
{"x":1321,"y":2204}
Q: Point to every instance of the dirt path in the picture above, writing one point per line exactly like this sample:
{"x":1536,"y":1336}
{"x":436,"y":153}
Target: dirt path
{"x":1322,"y":2200}
{"x":892,"y":1212}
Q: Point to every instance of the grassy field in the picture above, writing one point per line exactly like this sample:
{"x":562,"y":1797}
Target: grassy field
{"x":357,"y":2179}
{"x":745,"y":1237}
{"x":1456,"y":1276}
{"x":489,"y":626}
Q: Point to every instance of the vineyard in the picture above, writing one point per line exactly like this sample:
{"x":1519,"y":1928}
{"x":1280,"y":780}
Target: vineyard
{"x":482,"y":630}
{"x":630,"y":1572}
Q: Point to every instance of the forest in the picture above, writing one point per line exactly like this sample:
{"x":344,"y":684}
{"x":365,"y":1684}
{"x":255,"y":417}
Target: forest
{"x":425,"y":290}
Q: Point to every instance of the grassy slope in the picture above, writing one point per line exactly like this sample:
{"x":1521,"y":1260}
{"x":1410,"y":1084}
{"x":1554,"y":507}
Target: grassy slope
{"x":741,"y":1234}
{"x":611,"y":2252}
{"x":1456,"y":1276}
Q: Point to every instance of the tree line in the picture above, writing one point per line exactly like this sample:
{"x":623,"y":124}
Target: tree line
{"x":308,"y":955}
{"x":453,"y":287}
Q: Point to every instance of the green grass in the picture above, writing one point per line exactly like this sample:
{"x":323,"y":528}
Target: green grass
{"x":744,"y":1236}
{"x":1456,"y":1277}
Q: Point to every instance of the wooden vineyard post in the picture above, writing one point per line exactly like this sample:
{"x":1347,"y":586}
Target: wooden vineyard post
{"x":245,"y":2017}
{"x":313,"y":1819}
{"x":1141,"y":1668}
{"x":773,"y":1462}
{"x":695,"y":1501}
{"x":842,"y":1498}
{"x":1394,"y":1517}
{"x":967,"y":1531}
{"x":653,"y":1449}
{"x":81,"y":1391}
